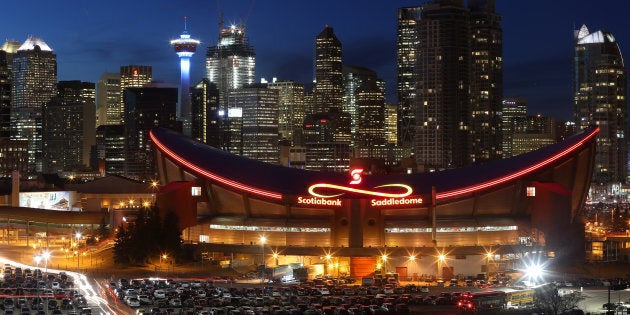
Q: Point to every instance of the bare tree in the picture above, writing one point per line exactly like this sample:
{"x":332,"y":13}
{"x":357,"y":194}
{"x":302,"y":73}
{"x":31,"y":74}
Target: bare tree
{"x":549,"y":298}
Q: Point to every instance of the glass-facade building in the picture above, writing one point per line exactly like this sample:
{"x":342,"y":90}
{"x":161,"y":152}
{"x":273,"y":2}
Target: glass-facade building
{"x":231,"y":63}
{"x":108,"y":106}
{"x":34,"y":84}
{"x":328,"y":87}
{"x":600,"y":97}
{"x":259,"y":130}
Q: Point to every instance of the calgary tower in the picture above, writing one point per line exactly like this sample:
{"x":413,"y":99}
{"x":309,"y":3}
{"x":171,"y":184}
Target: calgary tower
{"x":185,"y":47}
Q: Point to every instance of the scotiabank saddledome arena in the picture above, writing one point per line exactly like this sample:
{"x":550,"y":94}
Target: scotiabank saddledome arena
{"x":455,"y":222}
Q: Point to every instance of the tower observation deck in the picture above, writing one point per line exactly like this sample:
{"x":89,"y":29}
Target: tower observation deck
{"x":185,"y":47}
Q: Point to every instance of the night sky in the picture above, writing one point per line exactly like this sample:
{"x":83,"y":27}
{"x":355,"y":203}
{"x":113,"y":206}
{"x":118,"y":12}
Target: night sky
{"x":93,"y":37}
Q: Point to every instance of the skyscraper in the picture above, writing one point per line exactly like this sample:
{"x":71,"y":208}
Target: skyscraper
{"x":353,"y":79}
{"x":7,"y":51}
{"x":34,"y":84}
{"x":110,"y":149}
{"x":514,"y":112}
{"x":406,"y":58}
{"x":185,"y":47}
{"x":133,"y":76}
{"x":69,"y":127}
{"x":108,"y":106}
{"x":5,"y":96}
{"x":205,"y":113}
{"x":600,"y":99}
{"x":259,"y":131}
{"x":292,"y":109}
{"x":370,"y":101}
{"x":231,"y":63}
{"x":153,"y":105}
{"x":486,"y":84}
{"x":328,"y":88}
{"x":442,"y":106}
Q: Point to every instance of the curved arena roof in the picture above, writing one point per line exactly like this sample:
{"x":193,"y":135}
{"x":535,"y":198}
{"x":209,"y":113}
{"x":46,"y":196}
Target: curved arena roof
{"x":274,"y":181}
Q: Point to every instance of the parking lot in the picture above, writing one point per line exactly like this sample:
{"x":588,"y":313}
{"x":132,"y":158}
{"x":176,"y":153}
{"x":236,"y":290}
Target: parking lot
{"x":224,"y":295}
{"x":31,"y":291}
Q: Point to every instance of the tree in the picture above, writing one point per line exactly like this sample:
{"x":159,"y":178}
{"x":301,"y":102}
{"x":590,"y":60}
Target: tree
{"x":103,"y":231}
{"x":549,"y":298}
{"x":122,"y":246}
{"x":148,"y":236}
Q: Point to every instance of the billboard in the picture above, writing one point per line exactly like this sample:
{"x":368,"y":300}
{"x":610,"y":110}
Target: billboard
{"x":50,"y":200}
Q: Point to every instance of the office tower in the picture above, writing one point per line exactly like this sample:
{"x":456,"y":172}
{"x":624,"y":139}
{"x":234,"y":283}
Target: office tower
{"x":442,"y":138}
{"x":291,"y":110}
{"x":10,"y":47}
{"x":5,"y":96}
{"x":206,"y":121}
{"x":391,"y":123}
{"x":34,"y":84}
{"x":7,"y":51}
{"x":486,"y":84}
{"x":133,"y":76}
{"x":370,"y":103}
{"x":259,"y":130}
{"x":108,"y":106}
{"x":353,"y":78}
{"x":185,"y":47}
{"x":328,"y":87}
{"x":69,"y":127}
{"x":153,"y":105}
{"x":110,"y":149}
{"x":327,"y":137}
{"x":514,"y":111}
{"x":406,"y":58}
{"x":532,"y":133}
{"x":600,"y":99}
{"x":231,"y":63}
{"x":13,"y":157}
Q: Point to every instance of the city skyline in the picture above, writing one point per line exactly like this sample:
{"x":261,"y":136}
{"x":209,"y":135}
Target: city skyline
{"x":90,"y":40}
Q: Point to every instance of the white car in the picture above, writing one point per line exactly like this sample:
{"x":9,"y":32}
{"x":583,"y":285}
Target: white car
{"x":159,"y":294}
{"x":133,"y":302}
{"x":144,"y":299}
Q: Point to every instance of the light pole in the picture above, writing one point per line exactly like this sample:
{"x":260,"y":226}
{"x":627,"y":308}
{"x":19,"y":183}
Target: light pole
{"x":77,"y":235}
{"x":384,"y":260}
{"x":263,"y":239}
{"x":38,"y":258}
{"x":441,"y":259}
{"x":46,"y":256}
{"x":488,"y":258}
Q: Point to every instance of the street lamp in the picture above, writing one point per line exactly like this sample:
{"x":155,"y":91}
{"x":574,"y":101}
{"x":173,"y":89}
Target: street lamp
{"x":38,"y":258}
{"x":46,"y":256}
{"x":263,"y":239}
{"x":441,"y":259}
{"x":488,"y":258}
{"x":275,"y":258}
{"x":384,"y":259}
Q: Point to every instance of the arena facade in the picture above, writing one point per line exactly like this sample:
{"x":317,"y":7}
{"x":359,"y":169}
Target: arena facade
{"x":455,"y":222}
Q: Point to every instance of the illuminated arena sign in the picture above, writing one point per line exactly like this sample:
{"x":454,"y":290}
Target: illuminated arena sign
{"x":395,"y":196}
{"x":316,"y":201}
{"x":389,"y":202}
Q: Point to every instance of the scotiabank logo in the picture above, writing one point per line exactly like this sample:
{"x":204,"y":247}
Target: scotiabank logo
{"x":315,"y":201}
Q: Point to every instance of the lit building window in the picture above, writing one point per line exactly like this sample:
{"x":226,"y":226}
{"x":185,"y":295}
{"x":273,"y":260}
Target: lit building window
{"x":531,"y":191}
